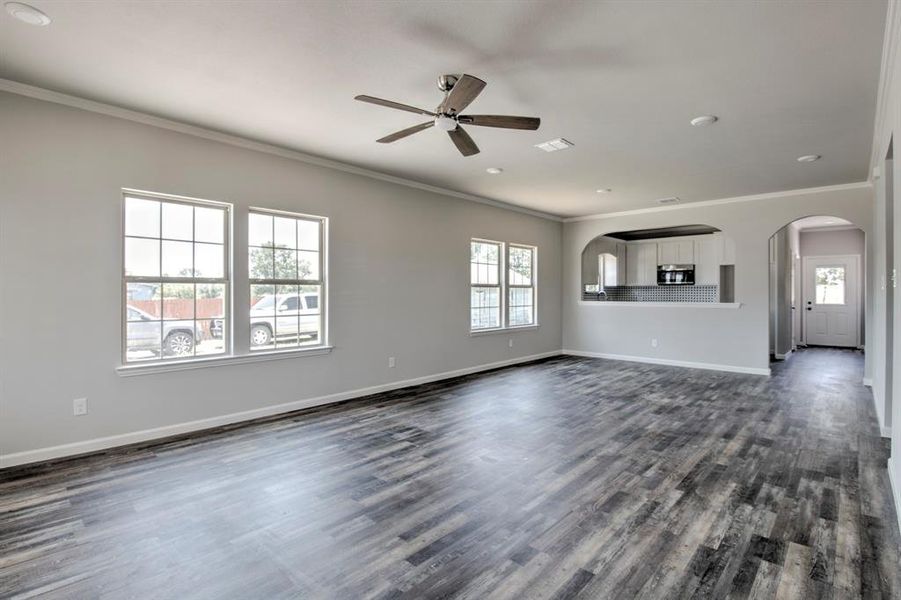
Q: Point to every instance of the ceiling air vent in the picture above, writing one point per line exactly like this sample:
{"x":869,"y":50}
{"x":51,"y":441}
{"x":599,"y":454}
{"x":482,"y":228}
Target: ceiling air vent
{"x":554,"y":145}
{"x":670,"y":200}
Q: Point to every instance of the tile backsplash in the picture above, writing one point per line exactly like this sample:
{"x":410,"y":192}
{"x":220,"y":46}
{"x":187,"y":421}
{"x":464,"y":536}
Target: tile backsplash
{"x":658,"y":293}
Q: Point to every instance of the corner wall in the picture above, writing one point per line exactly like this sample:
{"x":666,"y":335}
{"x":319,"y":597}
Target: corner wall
{"x":888,"y":123}
{"x":731,"y":339}
{"x":398,"y":267}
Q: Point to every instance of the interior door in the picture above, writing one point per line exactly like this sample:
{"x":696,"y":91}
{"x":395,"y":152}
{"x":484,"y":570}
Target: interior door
{"x":831,"y":299}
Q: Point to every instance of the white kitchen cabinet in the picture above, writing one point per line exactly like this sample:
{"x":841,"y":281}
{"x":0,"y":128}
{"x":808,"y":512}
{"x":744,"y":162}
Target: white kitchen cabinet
{"x":622,"y":262}
{"x":707,"y":264}
{"x":641,"y":263}
{"x":725,"y":249}
{"x":676,"y":252}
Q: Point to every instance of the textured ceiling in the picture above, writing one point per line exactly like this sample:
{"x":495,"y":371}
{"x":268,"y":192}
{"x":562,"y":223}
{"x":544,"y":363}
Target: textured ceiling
{"x":619,"y":79}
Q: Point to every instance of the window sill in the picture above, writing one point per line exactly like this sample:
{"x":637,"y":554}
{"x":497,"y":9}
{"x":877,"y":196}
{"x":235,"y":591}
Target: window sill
{"x":661,"y":304}
{"x":480,"y":332}
{"x":219,"y":361}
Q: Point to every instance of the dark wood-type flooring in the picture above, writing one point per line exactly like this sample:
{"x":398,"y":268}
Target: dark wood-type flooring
{"x":564,"y":478}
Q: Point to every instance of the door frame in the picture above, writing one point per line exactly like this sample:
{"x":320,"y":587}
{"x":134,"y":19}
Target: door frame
{"x":858,"y":292}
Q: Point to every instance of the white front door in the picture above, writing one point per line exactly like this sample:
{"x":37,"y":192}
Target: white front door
{"x":831,"y":297}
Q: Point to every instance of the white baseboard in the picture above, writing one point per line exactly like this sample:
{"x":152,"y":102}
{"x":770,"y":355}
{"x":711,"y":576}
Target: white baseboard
{"x":896,"y":493}
{"x":868,"y":381}
{"x":104,"y":443}
{"x":671,"y":363}
{"x":885,"y":432}
{"x":783,"y":356}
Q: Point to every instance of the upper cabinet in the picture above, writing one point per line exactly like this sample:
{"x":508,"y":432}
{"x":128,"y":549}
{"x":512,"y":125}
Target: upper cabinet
{"x":707,"y":264}
{"x":725,"y":249}
{"x":641,"y":263}
{"x":621,"y":259}
{"x":676,"y":252}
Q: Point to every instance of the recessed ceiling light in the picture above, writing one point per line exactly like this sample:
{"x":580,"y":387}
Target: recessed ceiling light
{"x":27,"y":14}
{"x":809,"y":158}
{"x":604,"y":191}
{"x":555,"y":144}
{"x":704,"y":120}
{"x":494,"y":170}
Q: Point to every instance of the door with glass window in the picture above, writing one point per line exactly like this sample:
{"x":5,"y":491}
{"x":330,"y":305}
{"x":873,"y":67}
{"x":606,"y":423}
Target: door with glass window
{"x":831,"y":301}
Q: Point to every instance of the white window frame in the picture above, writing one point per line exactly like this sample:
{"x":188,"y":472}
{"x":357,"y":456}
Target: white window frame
{"x":322,"y":282}
{"x":226,"y":280}
{"x":504,"y":287}
{"x":509,"y":286}
{"x":501,"y":266}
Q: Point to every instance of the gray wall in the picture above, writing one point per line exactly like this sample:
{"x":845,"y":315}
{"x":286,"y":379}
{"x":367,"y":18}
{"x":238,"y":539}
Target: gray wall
{"x":398,"y":264}
{"x":833,"y":242}
{"x":726,"y":337}
{"x":888,"y":124}
{"x":780,"y":292}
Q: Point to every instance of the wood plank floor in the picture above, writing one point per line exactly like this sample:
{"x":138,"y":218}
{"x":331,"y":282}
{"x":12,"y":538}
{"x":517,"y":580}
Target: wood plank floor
{"x":565,"y":478}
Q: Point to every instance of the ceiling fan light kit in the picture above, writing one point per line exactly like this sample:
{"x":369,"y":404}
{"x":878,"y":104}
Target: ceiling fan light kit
{"x":459,"y":92}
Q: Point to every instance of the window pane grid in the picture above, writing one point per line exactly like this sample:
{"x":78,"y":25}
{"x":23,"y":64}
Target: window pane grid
{"x":520,"y":288}
{"x":485,"y":284}
{"x":285,"y":281}
{"x":174,"y":309}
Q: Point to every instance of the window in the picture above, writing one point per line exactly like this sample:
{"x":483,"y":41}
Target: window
{"x":520,"y":286}
{"x":286,"y":280}
{"x":485,"y":284}
{"x":830,"y":283}
{"x":497,"y":301}
{"x":176,"y":278}
{"x":606,"y":270}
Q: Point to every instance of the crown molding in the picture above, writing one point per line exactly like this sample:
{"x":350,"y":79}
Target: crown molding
{"x":38,"y":93}
{"x":706,"y":203}
{"x":890,"y":52}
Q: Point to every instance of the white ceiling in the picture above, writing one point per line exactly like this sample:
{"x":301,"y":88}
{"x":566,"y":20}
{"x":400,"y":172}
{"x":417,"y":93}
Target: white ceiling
{"x":619,"y":79}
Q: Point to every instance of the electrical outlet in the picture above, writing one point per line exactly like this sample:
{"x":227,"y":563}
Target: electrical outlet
{"x":391,"y":362}
{"x":80,"y":407}
{"x":510,"y":343}
{"x":653,"y":342}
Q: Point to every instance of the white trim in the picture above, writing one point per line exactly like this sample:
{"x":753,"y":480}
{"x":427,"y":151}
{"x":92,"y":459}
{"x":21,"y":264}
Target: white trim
{"x":671,"y":363}
{"x":705,"y":203}
{"x":133,"y":369}
{"x":75,"y":448}
{"x":868,"y":381}
{"x":783,"y":356}
{"x":661,"y":304}
{"x":892,"y":36}
{"x":30,"y":91}
{"x":496,"y":330}
{"x":885,"y":432}
{"x":896,"y":493}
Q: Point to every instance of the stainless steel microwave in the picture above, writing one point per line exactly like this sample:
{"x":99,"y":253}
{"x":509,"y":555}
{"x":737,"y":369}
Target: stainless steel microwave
{"x":675,"y":275}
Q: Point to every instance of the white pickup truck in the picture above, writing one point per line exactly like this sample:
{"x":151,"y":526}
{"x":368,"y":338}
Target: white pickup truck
{"x":281,"y":317}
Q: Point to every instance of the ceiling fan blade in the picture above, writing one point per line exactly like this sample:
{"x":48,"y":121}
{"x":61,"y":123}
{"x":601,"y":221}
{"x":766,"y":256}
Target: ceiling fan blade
{"x":390,"y":104}
{"x":397,"y":135}
{"x":463,"y":142}
{"x":503,"y":121}
{"x":464,"y":91}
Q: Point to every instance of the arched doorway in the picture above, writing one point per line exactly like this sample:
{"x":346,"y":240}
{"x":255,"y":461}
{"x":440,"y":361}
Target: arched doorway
{"x":816,"y":285}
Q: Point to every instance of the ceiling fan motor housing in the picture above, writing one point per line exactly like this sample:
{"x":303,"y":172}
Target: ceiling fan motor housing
{"x":446,"y":82}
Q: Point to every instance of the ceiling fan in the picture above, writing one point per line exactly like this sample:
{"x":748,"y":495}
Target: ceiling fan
{"x":459,"y":92}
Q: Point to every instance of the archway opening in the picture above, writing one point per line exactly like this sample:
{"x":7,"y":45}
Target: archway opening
{"x":684,"y":263}
{"x":817,"y":267}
